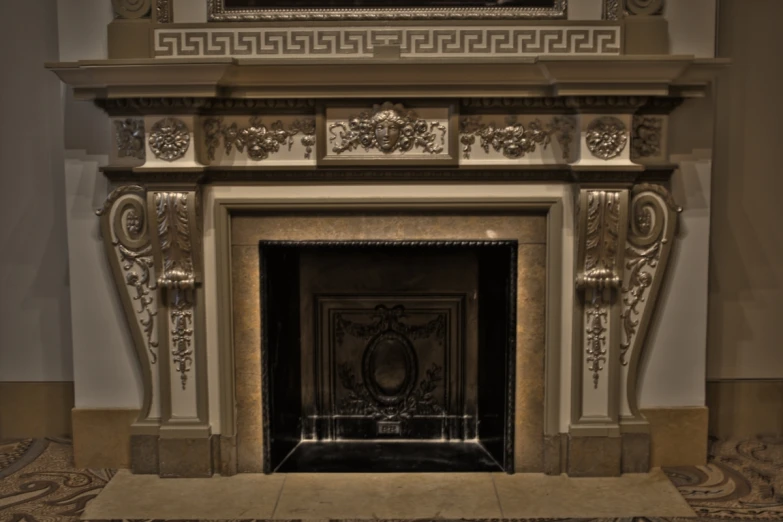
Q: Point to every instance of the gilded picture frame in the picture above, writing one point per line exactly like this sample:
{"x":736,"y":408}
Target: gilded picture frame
{"x":218,"y":12}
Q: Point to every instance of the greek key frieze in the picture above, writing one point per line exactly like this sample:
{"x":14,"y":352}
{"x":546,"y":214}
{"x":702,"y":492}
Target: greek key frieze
{"x":353,"y":42}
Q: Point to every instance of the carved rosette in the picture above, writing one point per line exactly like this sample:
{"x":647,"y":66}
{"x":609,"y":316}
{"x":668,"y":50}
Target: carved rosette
{"x":606,"y":137}
{"x":129,"y":138}
{"x":169,"y":139}
{"x":599,"y":276}
{"x":652,"y":225}
{"x":129,"y":250}
{"x":387,"y":128}
{"x":174,"y":216}
{"x":647,"y":136}
{"x":258,"y":139}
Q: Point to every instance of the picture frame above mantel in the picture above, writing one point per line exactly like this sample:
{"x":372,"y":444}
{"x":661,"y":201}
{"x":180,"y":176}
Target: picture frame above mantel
{"x":353,"y":10}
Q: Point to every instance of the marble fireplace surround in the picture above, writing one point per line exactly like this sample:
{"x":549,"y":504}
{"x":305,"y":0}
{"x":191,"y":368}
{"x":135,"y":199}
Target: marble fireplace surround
{"x":581,"y":143}
{"x":401,"y":212}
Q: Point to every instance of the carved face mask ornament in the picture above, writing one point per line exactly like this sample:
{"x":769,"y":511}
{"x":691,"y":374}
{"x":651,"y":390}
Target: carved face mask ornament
{"x":387,"y":130}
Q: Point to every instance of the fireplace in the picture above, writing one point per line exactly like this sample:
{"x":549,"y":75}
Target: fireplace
{"x":388,"y":355}
{"x":314,"y":233}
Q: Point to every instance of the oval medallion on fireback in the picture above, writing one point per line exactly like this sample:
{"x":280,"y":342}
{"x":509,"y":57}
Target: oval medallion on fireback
{"x":389,"y":367}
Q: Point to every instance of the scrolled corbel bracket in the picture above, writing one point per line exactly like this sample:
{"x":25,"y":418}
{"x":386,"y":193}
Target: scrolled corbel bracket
{"x":652,"y":223}
{"x":126,"y":232}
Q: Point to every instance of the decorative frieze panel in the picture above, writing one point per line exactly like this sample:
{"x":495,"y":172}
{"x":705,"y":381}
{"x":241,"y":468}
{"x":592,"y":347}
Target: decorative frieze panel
{"x":412,"y":41}
{"x":388,"y":132}
{"x":519,"y":140}
{"x":652,"y":225}
{"x":248,"y":141}
{"x":648,"y":143}
{"x":126,"y":237}
{"x":128,"y":141}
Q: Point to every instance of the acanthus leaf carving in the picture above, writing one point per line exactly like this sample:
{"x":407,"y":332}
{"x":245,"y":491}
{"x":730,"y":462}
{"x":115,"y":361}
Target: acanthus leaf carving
{"x":178,"y":274}
{"x":387,"y":128}
{"x":599,"y":276}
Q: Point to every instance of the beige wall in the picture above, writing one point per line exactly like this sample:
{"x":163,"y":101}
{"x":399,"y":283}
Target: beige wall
{"x":35,"y":322}
{"x":746,"y":268}
{"x":744,"y":358}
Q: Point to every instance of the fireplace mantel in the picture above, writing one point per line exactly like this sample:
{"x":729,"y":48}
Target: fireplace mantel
{"x":582,"y":140}
{"x":253,"y":78}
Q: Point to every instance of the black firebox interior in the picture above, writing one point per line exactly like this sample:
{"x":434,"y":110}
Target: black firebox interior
{"x":384,"y":356}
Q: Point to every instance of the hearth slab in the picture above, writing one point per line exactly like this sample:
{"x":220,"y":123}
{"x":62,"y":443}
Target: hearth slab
{"x":389,"y":457}
{"x":390,"y":496}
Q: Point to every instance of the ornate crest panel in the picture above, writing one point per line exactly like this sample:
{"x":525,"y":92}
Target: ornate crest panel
{"x":388,"y":132}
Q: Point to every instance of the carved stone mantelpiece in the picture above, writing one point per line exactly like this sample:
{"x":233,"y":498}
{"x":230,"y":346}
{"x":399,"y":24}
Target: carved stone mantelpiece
{"x":581,"y":140}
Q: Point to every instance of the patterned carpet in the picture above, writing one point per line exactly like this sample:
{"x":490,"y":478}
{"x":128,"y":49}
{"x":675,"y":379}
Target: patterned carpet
{"x":743,"y":481}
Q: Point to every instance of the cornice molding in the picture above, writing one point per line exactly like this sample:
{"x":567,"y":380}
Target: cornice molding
{"x":549,"y":173}
{"x":434,"y":78}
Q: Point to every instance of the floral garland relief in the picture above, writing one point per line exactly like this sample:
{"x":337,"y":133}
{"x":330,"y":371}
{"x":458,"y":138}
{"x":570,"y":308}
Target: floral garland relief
{"x":515,"y":139}
{"x":258,"y":139}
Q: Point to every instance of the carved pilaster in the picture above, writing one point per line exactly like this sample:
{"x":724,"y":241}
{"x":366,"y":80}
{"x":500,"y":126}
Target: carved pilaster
{"x":177,"y":248}
{"x":601,"y":219}
{"x":126,"y":237}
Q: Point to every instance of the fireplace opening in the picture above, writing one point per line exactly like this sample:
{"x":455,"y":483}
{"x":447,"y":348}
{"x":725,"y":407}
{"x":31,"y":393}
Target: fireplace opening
{"x":388,"y":356}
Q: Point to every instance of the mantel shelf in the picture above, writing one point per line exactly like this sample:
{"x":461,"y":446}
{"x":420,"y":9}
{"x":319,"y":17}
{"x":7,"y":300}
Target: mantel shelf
{"x":363,"y":78}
